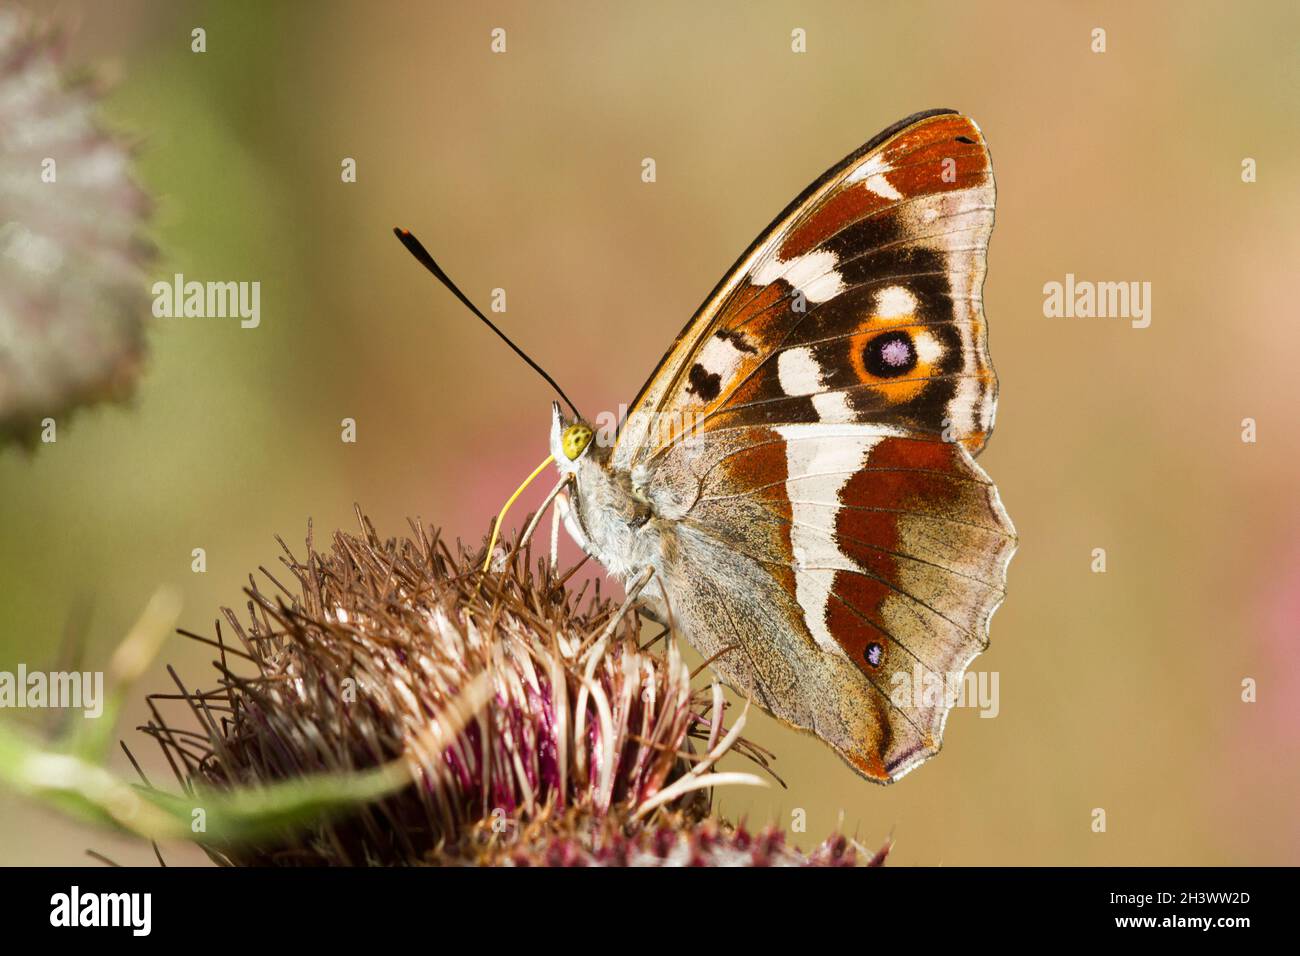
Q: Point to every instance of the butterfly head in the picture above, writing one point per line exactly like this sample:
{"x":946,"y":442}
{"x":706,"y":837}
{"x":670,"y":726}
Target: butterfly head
{"x":570,"y":441}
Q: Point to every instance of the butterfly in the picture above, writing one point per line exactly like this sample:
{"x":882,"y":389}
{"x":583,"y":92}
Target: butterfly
{"x":795,"y":488}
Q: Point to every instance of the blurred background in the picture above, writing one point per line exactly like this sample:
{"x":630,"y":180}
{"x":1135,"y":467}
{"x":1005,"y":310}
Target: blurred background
{"x":522,"y":170}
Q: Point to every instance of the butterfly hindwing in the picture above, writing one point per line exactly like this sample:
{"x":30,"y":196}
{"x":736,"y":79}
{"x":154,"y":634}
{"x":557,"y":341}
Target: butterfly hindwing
{"x":880,"y":559}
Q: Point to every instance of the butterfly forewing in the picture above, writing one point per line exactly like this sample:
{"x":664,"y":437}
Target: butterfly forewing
{"x":861,"y":303}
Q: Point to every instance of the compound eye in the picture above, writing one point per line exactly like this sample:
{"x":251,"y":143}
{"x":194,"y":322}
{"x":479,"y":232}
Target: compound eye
{"x":575,"y":440}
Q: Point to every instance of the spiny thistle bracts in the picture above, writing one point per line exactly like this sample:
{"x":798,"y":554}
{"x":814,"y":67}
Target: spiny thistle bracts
{"x":536,"y":729}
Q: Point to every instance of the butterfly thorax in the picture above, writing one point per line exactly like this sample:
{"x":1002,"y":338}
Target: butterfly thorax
{"x":615,"y":525}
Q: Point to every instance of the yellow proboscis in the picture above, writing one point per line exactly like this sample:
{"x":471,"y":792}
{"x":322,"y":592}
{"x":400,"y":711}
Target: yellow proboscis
{"x":496,"y":527}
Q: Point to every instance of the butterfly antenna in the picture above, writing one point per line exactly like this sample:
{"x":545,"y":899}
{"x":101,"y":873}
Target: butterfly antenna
{"x":416,"y":248}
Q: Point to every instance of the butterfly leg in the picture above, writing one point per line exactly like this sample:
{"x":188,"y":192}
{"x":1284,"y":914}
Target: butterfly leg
{"x":561,"y":502}
{"x":633,"y":590}
{"x":550,"y":499}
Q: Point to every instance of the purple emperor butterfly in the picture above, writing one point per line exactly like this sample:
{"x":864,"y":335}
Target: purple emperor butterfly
{"x":795,"y":486}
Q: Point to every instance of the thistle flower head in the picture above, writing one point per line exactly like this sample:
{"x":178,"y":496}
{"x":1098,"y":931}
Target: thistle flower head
{"x":73,"y":299}
{"x":534,"y":727}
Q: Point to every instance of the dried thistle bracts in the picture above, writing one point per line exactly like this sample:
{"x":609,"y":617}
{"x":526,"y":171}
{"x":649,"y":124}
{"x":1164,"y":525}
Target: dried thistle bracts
{"x":509,"y":699}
